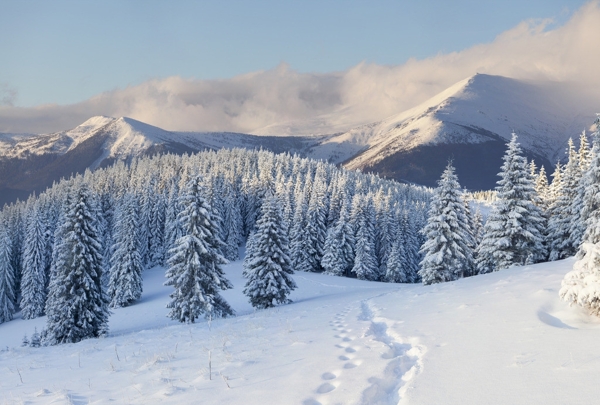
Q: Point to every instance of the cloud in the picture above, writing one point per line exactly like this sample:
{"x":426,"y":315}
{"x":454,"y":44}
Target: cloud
{"x":284,"y":100}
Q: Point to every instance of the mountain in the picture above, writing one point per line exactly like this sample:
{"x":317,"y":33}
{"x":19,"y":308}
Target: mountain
{"x":468,"y":123}
{"x":30,"y":162}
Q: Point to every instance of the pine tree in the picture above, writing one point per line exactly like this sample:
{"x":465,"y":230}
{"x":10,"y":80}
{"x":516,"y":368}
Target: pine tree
{"x":156,"y":232}
{"x":232,"y":224}
{"x":541,"y":188}
{"x":316,"y":227}
{"x":125,"y":285}
{"x":35,"y":339}
{"x":396,"y":264}
{"x":365,"y":259}
{"x":578,"y":223}
{"x":77,"y":308}
{"x":338,"y":258}
{"x":195,"y":262}
{"x":581,"y":286}
{"x":513,"y":233}
{"x":7,"y":277}
{"x":590,"y":210}
{"x":33,"y":282}
{"x":299,"y":238}
{"x":447,"y":252}
{"x":560,"y":219}
{"x":269,"y":268}
{"x":385,"y":232}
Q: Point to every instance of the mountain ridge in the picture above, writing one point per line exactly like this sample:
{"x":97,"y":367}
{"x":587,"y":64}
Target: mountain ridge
{"x":469,"y":123}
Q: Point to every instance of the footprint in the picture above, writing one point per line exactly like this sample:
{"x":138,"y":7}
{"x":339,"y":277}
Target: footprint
{"x":328,"y":376}
{"x":347,"y":339}
{"x":350,"y":350}
{"x":350,"y":365}
{"x":344,"y":358}
{"x":325,"y":388}
{"x":310,"y":401}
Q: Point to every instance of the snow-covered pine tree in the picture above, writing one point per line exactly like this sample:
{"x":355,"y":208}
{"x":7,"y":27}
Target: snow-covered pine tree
{"x":447,"y":252}
{"x":77,"y":308}
{"x":7,"y":277}
{"x":268,"y":272}
{"x":590,"y":211}
{"x":146,"y":202}
{"x":396,"y":264}
{"x":559,"y":213}
{"x":172,"y":227}
{"x":541,"y":188}
{"x":299,"y":239}
{"x":408,"y":230}
{"x":125,"y":285}
{"x":581,"y":286}
{"x":156,"y":231}
{"x":316,"y":226}
{"x":35,"y":339}
{"x":513,"y":233}
{"x":365,"y":258}
{"x":477,"y":227}
{"x":194,"y":266}
{"x":232,"y":224}
{"x":338,"y":259}
{"x":578,"y":223}
{"x":33,"y":282}
{"x":386,"y":231}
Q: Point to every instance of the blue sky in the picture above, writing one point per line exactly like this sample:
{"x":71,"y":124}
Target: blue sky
{"x":64,"y":52}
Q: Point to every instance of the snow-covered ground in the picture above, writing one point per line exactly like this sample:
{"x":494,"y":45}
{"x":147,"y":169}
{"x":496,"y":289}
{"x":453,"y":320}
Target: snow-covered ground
{"x":502,"y":338}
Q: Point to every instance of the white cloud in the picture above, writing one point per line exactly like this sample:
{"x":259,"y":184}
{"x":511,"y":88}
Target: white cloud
{"x":364,"y":93}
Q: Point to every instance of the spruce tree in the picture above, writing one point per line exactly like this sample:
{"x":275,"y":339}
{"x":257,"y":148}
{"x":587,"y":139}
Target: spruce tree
{"x":513,"y":233}
{"x":560,"y":218}
{"x":269,"y":268}
{"x":578,"y":223}
{"x":7,"y":277}
{"x":77,"y":308}
{"x":125,"y":285}
{"x":365,"y":258}
{"x":33,"y":282}
{"x":156,"y":231}
{"x":232,"y":224}
{"x":316,"y":227}
{"x":448,"y":254}
{"x":194,"y":266}
{"x":590,"y":210}
{"x":396,"y":264}
{"x":338,"y":258}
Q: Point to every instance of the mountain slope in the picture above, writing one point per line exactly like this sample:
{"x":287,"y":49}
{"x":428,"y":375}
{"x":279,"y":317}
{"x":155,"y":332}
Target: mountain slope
{"x":469,"y":123}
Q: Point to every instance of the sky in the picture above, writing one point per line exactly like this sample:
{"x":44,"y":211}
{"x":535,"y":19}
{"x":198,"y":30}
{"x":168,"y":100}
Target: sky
{"x":65,"y":60}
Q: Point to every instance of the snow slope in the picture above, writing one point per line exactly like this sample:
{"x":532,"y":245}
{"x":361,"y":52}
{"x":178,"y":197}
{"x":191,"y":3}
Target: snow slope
{"x":502,"y":338}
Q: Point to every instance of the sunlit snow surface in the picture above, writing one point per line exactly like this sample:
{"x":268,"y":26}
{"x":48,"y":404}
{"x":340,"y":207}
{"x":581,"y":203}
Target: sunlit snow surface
{"x":502,"y":338}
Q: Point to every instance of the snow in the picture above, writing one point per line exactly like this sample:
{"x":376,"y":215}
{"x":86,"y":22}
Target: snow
{"x":499,"y":338}
{"x":478,"y":109}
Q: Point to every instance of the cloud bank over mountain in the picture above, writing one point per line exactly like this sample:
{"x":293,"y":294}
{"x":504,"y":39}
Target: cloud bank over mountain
{"x":340,"y":100}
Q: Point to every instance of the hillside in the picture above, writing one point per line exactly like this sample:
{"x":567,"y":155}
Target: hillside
{"x":469,"y":123}
{"x":495,"y":339}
